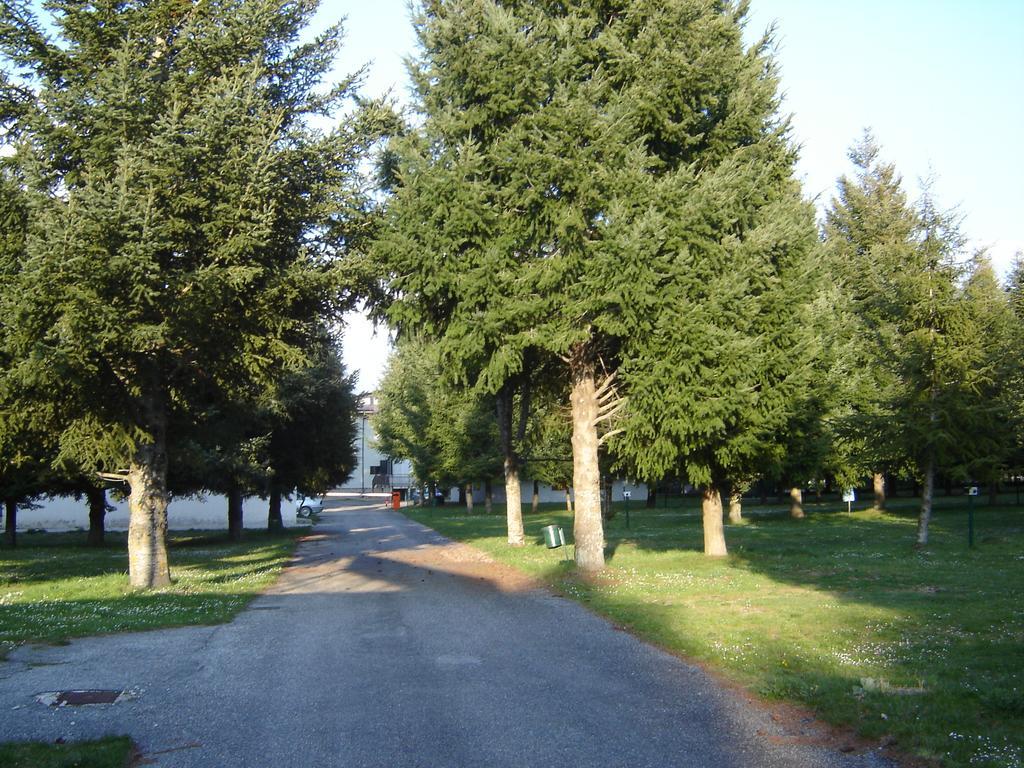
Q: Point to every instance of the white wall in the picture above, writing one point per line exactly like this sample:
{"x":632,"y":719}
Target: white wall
{"x":65,"y":513}
{"x":547,"y":493}
{"x":368,"y":456}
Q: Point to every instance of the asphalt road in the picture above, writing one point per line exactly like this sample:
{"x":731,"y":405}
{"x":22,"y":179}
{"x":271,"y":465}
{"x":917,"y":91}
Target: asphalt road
{"x":386,"y":645}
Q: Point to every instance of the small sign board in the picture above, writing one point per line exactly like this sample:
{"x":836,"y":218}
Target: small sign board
{"x":972,"y":491}
{"x":849,"y":495}
{"x":627,"y":495}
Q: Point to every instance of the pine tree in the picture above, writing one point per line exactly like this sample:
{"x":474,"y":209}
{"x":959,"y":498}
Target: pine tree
{"x":1013,"y":392}
{"x":185,"y":220}
{"x":567,"y":154}
{"x":448,"y":433}
{"x":870,"y":235}
{"x":716,"y":375}
{"x":932,"y":362}
{"x":922,"y":345}
{"x":311,"y":431}
{"x":403,"y":422}
{"x":985,"y":334}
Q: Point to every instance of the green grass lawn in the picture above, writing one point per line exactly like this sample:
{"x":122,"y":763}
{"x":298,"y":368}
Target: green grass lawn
{"x":837,"y":611}
{"x":105,"y":753}
{"x":53,"y":588}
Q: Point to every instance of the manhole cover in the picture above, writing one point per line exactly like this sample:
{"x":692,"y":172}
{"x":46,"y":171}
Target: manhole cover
{"x":81,"y":698}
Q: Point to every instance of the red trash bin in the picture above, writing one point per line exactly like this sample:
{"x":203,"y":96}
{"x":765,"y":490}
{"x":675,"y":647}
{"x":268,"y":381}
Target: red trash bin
{"x":396,"y":499}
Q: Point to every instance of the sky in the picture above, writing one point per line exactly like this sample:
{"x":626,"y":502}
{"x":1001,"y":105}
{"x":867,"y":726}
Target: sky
{"x":939,"y":82}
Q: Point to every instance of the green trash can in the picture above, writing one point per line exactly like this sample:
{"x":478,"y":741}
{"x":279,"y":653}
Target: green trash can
{"x":554,"y":536}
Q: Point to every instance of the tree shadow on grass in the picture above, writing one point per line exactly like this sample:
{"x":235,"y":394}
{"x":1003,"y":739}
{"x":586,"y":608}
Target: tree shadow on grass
{"x":54,"y":591}
{"x":836,"y":598}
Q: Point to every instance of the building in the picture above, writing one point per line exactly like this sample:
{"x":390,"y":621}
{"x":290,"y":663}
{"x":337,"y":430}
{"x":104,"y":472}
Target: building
{"x":374,"y":472}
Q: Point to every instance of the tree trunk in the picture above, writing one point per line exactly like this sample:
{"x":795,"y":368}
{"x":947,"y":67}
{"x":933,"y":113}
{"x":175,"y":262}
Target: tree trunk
{"x":796,"y":503}
{"x":735,"y":506}
{"x":469,"y":499}
{"x":147,"y":503}
{"x":535,"y":502}
{"x":274,"y":520}
{"x":993,"y":493}
{"x":588,"y":528}
{"x":488,"y":497}
{"x":97,"y":515}
{"x":235,"y":513}
{"x":878,"y":485}
{"x":513,"y":491}
{"x":714,"y":527}
{"x":11,"y":522}
{"x":652,"y":496}
{"x":568,"y":500}
{"x":514,"y":505}
{"x":609,"y":510}
{"x":927,"y":492}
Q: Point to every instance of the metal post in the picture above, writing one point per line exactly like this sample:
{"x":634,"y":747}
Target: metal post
{"x":970,"y":521}
{"x":362,"y":462}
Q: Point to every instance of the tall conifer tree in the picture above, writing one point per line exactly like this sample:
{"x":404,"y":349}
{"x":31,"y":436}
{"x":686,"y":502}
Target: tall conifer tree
{"x":916,"y":363}
{"x":570,"y":153}
{"x":985,"y":334}
{"x":1014,"y":391}
{"x":870,"y":233}
{"x":175,"y":188}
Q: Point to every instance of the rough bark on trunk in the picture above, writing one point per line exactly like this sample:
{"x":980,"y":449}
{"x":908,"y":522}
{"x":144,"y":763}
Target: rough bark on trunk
{"x":927,"y":492}
{"x":878,"y":486}
{"x":147,"y":503}
{"x":11,"y":522}
{"x":235,"y":514}
{"x":796,"y":503}
{"x":274,"y":520}
{"x":469,"y":499}
{"x":588,"y":528}
{"x":514,"y":505}
{"x":535,"y":501}
{"x":97,"y":515}
{"x":735,"y":506}
{"x":714,"y":526}
{"x":513,"y":492}
{"x":609,"y":510}
{"x":488,"y":497}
